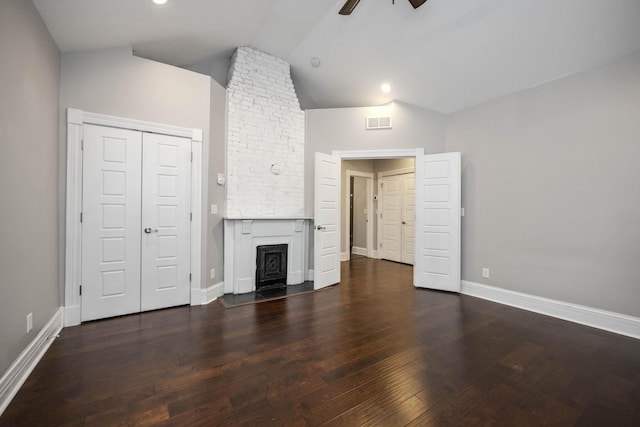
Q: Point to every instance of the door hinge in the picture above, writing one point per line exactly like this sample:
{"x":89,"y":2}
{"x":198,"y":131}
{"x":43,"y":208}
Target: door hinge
{"x":80,"y":289}
{"x":189,"y":277}
{"x":190,"y":216}
{"x":380,"y":244}
{"x":192,"y":156}
{"x":82,"y":144}
{"x":80,"y":216}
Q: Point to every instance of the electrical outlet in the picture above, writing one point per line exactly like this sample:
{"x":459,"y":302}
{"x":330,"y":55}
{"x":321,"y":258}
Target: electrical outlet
{"x":213,"y":273}
{"x":29,"y":322}
{"x":214,"y":209}
{"x":485,"y":273}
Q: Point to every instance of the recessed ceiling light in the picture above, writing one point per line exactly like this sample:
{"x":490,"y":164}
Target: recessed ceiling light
{"x":385,"y":87}
{"x":159,"y":2}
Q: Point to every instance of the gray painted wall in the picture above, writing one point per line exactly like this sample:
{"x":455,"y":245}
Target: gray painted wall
{"x":29,"y":91}
{"x":114,"y":82}
{"x":217,"y":193}
{"x":353,"y":165}
{"x":550,"y":189}
{"x":344,"y":129}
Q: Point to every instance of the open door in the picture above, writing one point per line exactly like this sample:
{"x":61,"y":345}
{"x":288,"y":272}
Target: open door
{"x":326,"y":249}
{"x":438,"y":198}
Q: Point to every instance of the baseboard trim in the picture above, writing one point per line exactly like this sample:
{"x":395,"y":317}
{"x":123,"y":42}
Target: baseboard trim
{"x":344,"y":256}
{"x":310,"y":274}
{"x":607,"y":320}
{"x":359,"y":251}
{"x":212,"y":293}
{"x":72,"y":315}
{"x":20,"y":369}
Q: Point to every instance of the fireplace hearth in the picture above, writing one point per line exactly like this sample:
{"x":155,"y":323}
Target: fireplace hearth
{"x":271,"y":267}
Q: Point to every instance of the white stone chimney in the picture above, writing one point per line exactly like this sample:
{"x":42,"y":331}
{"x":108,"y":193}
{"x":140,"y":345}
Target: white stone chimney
{"x":265,"y":155}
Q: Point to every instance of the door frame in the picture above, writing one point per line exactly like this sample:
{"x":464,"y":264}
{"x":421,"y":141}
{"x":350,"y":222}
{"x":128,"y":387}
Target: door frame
{"x":73,"y":230}
{"x":369,"y":177}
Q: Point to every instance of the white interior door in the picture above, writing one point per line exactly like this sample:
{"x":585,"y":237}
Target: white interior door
{"x":437,"y":249}
{"x":166,"y":179}
{"x":408,"y":218}
{"x":398,"y":218}
{"x":326,"y":252}
{"x":392,"y":218}
{"x":110,"y":222}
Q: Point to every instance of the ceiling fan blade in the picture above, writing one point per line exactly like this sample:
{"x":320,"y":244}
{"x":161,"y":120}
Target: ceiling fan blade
{"x":417,"y":3}
{"x":349,"y":6}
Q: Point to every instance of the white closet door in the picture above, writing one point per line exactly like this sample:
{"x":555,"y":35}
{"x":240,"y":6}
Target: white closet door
{"x":111,"y":222}
{"x":398,"y":218}
{"x":392,"y":218}
{"x":408,"y":218}
{"x":165,"y":221}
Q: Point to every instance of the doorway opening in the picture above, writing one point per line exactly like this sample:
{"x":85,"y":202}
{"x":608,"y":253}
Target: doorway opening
{"x":378,"y":206}
{"x":437,"y":215}
{"x":357,"y":228}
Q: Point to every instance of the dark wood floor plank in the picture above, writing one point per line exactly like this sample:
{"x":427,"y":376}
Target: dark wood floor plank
{"x":371,"y":351}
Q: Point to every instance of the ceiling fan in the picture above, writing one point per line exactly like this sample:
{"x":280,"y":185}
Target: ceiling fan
{"x":351,"y":4}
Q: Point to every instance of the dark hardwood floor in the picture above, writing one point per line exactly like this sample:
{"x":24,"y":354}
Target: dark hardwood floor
{"x":371,"y":351}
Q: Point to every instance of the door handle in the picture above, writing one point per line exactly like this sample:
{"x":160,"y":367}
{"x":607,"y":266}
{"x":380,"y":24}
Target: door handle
{"x":149,"y":230}
{"x":319,"y":227}
{"x":404,"y":222}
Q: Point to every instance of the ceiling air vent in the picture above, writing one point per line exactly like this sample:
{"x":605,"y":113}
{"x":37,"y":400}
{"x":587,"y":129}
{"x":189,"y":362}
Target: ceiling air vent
{"x":382,"y":122}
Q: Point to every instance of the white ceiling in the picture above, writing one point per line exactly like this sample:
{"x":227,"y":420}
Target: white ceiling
{"x":444,"y":56}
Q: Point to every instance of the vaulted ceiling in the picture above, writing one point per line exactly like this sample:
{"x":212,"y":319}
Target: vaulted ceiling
{"x":445,"y":56}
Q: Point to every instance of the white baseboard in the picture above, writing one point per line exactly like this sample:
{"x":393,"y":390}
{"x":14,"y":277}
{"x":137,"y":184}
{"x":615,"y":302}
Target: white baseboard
{"x":212,"y":293}
{"x":310,"y":275}
{"x":20,"y":369}
{"x":207,"y":295}
{"x":609,"y":321}
{"x":359,"y":251}
{"x":375,"y":254}
{"x":344,"y":256}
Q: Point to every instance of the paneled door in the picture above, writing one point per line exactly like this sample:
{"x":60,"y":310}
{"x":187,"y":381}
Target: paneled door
{"x":398,"y":217}
{"x":111,"y":177}
{"x":326,"y":253}
{"x":135,"y":221}
{"x":165,"y":221}
{"x":438,"y":199}
{"x":408,"y":218}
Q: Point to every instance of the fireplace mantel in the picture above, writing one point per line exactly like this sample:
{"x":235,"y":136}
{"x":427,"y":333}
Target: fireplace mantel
{"x":243,"y":235}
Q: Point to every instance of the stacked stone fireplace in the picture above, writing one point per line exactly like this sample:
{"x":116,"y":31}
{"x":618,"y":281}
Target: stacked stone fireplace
{"x":265,"y":175}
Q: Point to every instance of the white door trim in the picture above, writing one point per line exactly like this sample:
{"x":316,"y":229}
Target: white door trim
{"x":377,"y":154}
{"x":73,"y":242}
{"x":369,"y":177}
